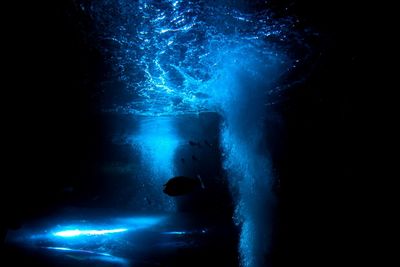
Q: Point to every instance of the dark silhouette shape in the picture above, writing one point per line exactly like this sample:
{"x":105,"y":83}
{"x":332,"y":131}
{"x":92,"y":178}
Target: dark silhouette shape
{"x":194,"y":144}
{"x":182,"y":185}
{"x":208,"y":144}
{"x":194,"y":158}
{"x":183,"y":160}
{"x":148,"y":201}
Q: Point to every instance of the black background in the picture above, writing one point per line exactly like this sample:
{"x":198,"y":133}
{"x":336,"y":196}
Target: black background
{"x":52,"y":132}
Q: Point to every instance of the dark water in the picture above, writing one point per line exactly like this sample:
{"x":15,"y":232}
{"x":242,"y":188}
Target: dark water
{"x":258,"y":85}
{"x":180,"y":57}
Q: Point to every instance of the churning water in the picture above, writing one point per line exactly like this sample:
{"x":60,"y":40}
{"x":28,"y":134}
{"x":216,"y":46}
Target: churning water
{"x":174,"y":57}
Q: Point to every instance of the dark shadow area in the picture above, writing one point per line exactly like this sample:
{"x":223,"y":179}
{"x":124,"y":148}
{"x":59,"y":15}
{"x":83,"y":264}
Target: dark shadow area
{"x":319,"y":159}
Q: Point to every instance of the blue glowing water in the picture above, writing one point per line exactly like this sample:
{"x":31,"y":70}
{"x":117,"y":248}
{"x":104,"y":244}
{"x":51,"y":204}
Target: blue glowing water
{"x":157,"y":140}
{"x":174,"y":57}
{"x":77,"y":232}
{"x":77,"y":239}
{"x":78,"y":250}
{"x":88,"y":256}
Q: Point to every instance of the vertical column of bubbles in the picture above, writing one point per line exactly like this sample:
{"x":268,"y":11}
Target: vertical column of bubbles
{"x":178,"y":57}
{"x":157,"y":141}
{"x":250,"y":178}
{"x":242,"y":98}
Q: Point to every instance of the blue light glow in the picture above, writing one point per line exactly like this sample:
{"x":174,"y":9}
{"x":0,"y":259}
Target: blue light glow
{"x":191,"y":232}
{"x":73,"y":233}
{"x":140,"y":222}
{"x":157,"y":140}
{"x":247,"y":161}
{"x":185,"y":232}
{"x":87,"y":230}
{"x":78,"y":250}
{"x":88,"y":256}
{"x":175,"y":233}
{"x":98,"y":237}
{"x":176,"y":57}
{"x":167,"y":52}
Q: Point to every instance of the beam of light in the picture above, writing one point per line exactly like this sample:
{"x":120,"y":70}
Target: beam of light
{"x":90,"y":256}
{"x":115,"y":226}
{"x":77,"y":232}
{"x":97,"y":240}
{"x":135,"y":223}
{"x":77,"y":250}
{"x":175,"y":233}
{"x":203,"y":231}
{"x":141,"y":220}
{"x":107,"y":231}
{"x":157,"y":140}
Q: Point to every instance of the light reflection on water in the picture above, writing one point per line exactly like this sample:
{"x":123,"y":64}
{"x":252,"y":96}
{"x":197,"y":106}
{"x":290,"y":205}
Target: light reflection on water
{"x":180,"y":57}
{"x":170,"y":54}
